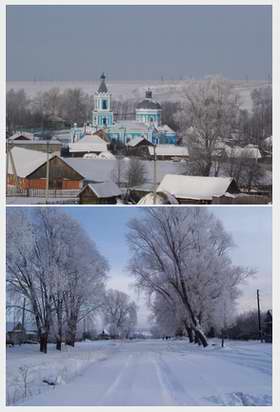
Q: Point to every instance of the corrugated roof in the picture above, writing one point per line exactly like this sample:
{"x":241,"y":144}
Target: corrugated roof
{"x":195,"y":187}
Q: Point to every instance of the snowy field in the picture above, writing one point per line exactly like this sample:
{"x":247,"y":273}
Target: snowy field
{"x":166,"y":90}
{"x":151,"y":372}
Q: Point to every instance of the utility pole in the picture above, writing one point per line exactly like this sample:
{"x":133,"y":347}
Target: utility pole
{"x":155,"y":176}
{"x":23,"y":313}
{"x":7,"y":167}
{"x":47,"y":174}
{"x":259,"y":316}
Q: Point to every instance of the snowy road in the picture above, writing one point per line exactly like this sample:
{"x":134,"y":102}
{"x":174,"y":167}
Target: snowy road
{"x":169,"y":373}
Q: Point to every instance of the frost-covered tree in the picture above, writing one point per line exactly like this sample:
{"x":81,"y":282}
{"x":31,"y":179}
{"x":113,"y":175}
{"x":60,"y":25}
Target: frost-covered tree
{"x":183,"y":255}
{"x":262,"y":114}
{"x":135,"y":173}
{"x":52,"y":263}
{"x":120,"y":314}
{"x":209,"y":115}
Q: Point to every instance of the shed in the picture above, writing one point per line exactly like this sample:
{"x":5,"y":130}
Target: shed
{"x":100,"y":193}
{"x":197,"y":189}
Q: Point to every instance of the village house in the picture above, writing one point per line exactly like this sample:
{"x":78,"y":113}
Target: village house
{"x":169,"y":152}
{"x":27,"y":169}
{"x":138,"y":147}
{"x":89,"y":144}
{"x":198,"y":189}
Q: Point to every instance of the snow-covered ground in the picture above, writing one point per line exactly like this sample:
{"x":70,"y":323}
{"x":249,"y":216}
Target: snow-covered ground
{"x":144,"y":372}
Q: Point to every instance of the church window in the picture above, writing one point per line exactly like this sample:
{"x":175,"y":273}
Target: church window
{"x":104,"y":120}
{"x":104,"y":104}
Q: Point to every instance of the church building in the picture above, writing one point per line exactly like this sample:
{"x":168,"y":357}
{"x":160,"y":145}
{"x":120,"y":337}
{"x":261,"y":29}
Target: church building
{"x":147,"y":121}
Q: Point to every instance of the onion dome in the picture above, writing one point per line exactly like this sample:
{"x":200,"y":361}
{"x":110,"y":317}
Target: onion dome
{"x":148,"y":102}
{"x":102,"y":88}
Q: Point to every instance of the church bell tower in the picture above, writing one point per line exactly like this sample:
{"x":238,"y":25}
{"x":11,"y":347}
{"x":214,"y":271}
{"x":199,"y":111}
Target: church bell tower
{"x":102,"y":116}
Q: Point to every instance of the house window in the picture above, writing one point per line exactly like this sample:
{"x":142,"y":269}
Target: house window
{"x":104,"y":104}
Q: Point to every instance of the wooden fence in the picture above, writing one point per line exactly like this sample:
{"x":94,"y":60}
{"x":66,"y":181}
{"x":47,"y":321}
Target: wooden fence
{"x":52,"y":193}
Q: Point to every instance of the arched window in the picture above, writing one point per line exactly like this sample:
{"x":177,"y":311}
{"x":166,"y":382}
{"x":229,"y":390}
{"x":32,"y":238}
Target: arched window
{"x":104,"y":120}
{"x":104,"y":104}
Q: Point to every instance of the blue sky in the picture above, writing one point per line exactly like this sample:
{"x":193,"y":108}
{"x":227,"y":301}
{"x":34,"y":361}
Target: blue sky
{"x":251,"y":228}
{"x":138,"y":42}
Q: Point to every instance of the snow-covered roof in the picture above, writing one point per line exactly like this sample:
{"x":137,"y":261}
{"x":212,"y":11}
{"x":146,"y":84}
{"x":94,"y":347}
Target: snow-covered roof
{"x":195,"y":187}
{"x":26,"y":161}
{"x":250,"y":151}
{"x":165,"y":129}
{"x":99,"y":170}
{"x":162,"y":198}
{"x":169,"y":150}
{"x":130,"y":125}
{"x":34,"y":142}
{"x":90,"y":156}
{"x":81,"y":147}
{"x":16,"y":135}
{"x":92,"y":138}
{"x":106,"y":155}
{"x":104,"y":189}
{"x":135,"y":141}
{"x":268,"y":141}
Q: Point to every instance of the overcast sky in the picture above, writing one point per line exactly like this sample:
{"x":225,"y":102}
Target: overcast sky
{"x":249,"y":226}
{"x":138,"y":42}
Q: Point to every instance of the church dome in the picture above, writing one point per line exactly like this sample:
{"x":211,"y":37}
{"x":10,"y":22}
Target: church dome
{"x":102,"y":88}
{"x":148,"y":102}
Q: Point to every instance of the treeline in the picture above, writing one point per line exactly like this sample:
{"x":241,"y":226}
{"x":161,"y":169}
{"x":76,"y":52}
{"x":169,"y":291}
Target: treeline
{"x":246,"y":326}
{"x":56,"y":109}
{"x":51,"y":109}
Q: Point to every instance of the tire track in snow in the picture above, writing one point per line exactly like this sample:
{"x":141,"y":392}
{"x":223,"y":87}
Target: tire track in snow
{"x":177,"y":393}
{"x":117,"y":381}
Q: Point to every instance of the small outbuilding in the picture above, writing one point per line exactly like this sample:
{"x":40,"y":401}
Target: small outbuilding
{"x":100,"y":193}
